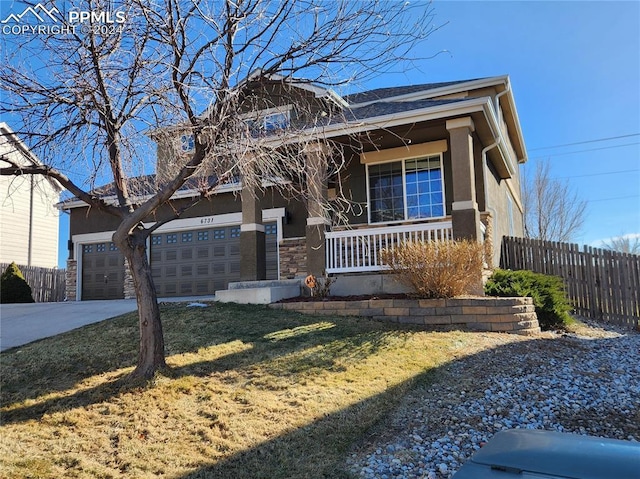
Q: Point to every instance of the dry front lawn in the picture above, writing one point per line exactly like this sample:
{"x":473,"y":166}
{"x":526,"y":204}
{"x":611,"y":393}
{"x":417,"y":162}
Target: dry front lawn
{"x":252,"y":393}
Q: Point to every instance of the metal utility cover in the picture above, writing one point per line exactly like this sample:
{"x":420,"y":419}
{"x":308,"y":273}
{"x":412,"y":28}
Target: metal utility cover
{"x":528,"y":454}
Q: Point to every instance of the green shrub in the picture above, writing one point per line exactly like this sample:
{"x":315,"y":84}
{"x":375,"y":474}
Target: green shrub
{"x":13,"y":287}
{"x":437,"y":269}
{"x":549,"y":298}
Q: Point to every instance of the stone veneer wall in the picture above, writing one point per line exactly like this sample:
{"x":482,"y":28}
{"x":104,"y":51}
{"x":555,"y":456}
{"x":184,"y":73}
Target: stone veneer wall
{"x":512,"y":315}
{"x":129,"y":287}
{"x":293,"y":258}
{"x":71,"y":280}
{"x":487,"y":220}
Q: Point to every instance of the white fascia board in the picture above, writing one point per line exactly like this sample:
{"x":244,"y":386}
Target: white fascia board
{"x":337,"y":99}
{"x":7,"y":132}
{"x":516,"y":119}
{"x":441,"y":91}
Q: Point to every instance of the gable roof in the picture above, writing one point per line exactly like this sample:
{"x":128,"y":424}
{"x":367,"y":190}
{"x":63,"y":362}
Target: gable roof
{"x":392,"y":92}
{"x":372,"y":110}
{"x":24,"y":151}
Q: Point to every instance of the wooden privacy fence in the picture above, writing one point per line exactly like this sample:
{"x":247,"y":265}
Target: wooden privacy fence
{"x":47,"y":284}
{"x":601,"y":284}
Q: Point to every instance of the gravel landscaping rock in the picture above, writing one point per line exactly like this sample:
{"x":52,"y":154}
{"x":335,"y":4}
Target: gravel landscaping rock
{"x":586,"y":382}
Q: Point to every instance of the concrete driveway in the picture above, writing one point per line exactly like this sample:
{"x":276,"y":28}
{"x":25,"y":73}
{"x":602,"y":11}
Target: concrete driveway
{"x":22,"y":323}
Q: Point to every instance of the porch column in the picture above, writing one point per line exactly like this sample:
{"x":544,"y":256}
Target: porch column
{"x":253,"y":259}
{"x":464,"y":215}
{"x":316,"y":174}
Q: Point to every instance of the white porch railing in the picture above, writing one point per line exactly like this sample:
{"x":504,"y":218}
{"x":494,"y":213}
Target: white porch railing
{"x":359,"y":250}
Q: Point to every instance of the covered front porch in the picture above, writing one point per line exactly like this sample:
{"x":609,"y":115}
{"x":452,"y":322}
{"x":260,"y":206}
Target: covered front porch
{"x":415,"y":192}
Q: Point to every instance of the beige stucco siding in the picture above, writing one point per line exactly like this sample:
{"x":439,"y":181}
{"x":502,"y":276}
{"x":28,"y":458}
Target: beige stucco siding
{"x":502,"y":205}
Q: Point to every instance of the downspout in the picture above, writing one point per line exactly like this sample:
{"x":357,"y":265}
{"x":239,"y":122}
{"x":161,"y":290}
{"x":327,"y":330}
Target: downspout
{"x":485,"y":165}
{"x":507,"y":89}
{"x":485,"y":172}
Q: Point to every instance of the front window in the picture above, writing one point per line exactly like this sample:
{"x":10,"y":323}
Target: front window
{"x":406,"y":190}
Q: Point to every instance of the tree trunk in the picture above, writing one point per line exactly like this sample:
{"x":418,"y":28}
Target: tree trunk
{"x":151,"y":352}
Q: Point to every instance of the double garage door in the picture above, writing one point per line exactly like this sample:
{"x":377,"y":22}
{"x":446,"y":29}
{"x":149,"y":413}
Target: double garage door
{"x":184,"y":263}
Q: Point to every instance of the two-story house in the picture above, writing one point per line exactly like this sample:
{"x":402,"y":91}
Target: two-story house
{"x":420,"y":162}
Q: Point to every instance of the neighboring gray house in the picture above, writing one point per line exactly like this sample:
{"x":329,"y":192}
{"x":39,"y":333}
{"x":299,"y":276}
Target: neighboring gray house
{"x":433,"y":161}
{"x":28,"y":216}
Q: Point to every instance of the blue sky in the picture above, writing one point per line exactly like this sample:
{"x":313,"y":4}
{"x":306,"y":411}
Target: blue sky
{"x":575,"y":72}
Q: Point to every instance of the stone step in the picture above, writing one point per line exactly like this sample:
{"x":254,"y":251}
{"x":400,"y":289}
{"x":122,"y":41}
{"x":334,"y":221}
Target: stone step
{"x":267,"y":283}
{"x":259,"y":292}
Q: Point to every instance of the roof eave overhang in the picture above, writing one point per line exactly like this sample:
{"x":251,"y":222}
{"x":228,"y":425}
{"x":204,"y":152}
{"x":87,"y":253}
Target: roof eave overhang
{"x":182,"y":194}
{"x":442,"y":91}
{"x":503,"y":81}
{"x":24,"y":150}
{"x":448,"y":110}
{"x":113,"y":199}
{"x":481,"y":109}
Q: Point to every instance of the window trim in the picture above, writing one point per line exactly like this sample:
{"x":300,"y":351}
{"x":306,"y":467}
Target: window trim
{"x":403,"y":161}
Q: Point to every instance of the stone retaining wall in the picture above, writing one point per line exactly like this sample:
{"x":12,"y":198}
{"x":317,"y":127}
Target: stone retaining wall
{"x":512,"y":315}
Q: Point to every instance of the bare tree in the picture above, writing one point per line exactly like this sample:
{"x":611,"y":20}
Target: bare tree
{"x":553,"y":211}
{"x":93,"y":99}
{"x":623,"y":244}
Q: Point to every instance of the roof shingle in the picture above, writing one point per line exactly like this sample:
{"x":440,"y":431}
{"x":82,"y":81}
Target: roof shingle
{"x":389,"y":92}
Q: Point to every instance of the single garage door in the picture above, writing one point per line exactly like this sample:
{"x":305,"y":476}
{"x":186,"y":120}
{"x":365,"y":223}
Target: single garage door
{"x":102,"y":271}
{"x":201,"y":262}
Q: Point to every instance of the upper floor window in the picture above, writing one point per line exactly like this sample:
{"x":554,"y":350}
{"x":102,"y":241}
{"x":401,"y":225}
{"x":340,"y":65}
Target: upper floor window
{"x":276,"y":121}
{"x":269,"y":121}
{"x":406,"y":190}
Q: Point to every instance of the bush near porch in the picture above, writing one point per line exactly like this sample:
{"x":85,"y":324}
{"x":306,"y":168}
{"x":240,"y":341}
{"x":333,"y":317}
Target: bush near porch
{"x":437,"y":269}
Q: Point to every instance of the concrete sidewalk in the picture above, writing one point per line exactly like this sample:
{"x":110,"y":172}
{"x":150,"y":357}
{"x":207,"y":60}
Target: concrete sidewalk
{"x":23,"y":323}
